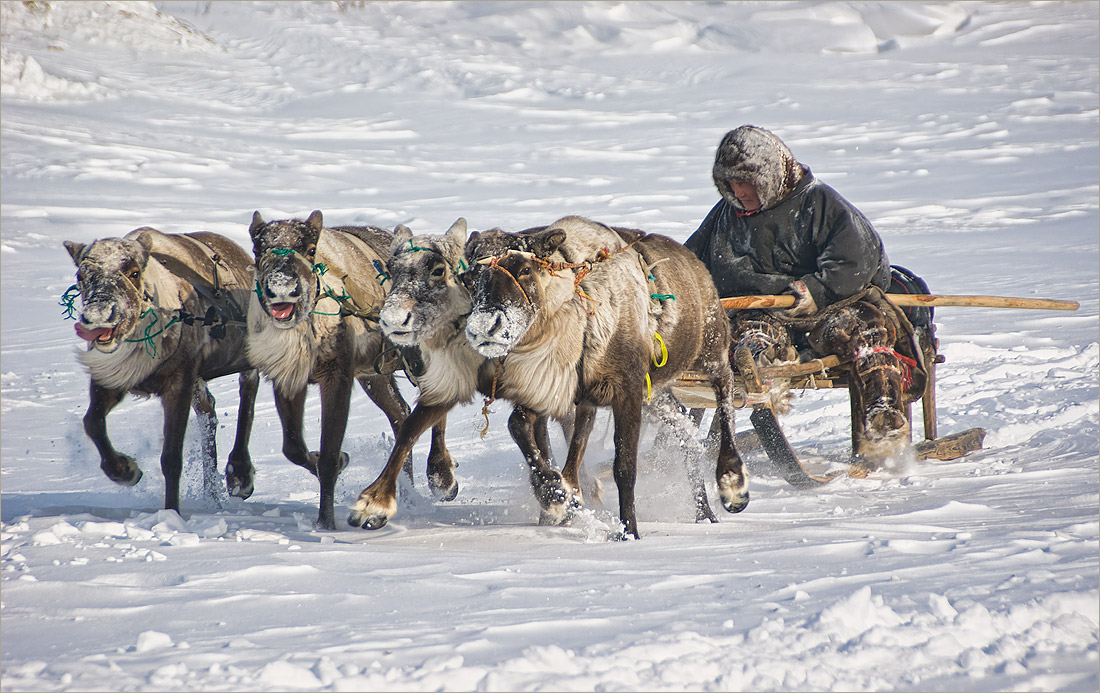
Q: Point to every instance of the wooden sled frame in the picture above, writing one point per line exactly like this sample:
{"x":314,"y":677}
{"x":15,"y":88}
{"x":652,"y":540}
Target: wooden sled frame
{"x":693,"y":391}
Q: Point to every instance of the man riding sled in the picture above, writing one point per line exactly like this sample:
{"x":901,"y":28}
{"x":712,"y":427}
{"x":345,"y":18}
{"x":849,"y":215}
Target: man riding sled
{"x":779,"y":230}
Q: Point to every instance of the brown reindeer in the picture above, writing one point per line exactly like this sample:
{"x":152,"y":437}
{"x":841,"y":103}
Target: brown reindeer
{"x":162,"y":314}
{"x":317,"y":294}
{"x":427,"y":306}
{"x":575,"y":313}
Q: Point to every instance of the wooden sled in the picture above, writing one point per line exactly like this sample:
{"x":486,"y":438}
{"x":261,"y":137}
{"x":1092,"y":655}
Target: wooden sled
{"x":693,"y":391}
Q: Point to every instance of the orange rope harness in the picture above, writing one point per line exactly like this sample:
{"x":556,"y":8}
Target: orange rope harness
{"x":552,"y":268}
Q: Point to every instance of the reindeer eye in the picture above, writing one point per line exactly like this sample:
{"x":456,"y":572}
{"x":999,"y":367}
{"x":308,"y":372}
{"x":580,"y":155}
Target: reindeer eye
{"x":134,"y":274}
{"x":437,"y":272}
{"x":311,"y":251}
{"x":525,"y":271}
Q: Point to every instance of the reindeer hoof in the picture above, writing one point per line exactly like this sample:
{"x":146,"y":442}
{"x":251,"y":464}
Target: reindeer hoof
{"x":559,"y":513}
{"x":238,"y":489}
{"x":737,"y":503}
{"x":238,"y":485}
{"x":450,"y":495}
{"x":126,"y":473}
{"x":441,"y":488}
{"x":376,"y":521}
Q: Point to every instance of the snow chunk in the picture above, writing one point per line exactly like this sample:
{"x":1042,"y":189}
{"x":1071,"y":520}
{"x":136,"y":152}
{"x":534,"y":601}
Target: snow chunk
{"x":855,"y":615}
{"x":287,"y":675}
{"x":24,"y":78}
{"x":152,"y":640}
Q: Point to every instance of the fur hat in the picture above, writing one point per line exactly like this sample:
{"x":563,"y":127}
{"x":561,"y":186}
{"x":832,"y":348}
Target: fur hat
{"x":755,"y":156}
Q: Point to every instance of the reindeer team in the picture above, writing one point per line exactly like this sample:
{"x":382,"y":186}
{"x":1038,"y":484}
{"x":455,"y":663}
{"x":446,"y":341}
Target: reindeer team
{"x":558,"y":320}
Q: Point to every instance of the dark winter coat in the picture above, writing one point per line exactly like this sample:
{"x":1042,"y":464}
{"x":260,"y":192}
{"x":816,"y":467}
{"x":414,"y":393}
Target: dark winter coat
{"x":805,"y":230}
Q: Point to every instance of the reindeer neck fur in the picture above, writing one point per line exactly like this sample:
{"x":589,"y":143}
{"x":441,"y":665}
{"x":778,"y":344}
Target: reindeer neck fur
{"x":130,"y":364}
{"x":453,"y":364}
{"x":285,"y":356}
{"x":541,"y":372}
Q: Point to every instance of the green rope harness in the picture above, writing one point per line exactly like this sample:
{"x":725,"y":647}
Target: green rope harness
{"x":150,"y":346}
{"x":382,"y":275}
{"x":68,"y":302}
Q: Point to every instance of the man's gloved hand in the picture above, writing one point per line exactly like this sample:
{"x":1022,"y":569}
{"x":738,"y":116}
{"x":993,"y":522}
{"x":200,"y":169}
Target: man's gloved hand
{"x":804,"y":304}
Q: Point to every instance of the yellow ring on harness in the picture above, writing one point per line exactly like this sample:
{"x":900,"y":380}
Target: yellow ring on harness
{"x":648,"y":387}
{"x":664,"y":352}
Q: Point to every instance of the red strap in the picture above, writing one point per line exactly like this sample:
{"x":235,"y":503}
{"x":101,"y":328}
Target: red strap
{"x":907,"y":364}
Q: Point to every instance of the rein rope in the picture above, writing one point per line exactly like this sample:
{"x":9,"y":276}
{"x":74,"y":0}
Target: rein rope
{"x":492,"y":396}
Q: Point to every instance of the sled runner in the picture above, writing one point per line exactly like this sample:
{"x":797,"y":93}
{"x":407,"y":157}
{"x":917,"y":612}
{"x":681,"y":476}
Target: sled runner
{"x":755,"y":383}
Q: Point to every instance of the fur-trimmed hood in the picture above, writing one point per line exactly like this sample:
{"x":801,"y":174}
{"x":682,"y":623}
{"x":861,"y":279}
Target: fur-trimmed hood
{"x":758,"y":157}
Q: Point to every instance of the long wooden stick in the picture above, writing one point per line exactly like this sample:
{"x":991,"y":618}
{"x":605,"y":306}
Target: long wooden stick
{"x":786,"y":300}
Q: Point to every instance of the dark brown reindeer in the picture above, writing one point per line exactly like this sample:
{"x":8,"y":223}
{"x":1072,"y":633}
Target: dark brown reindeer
{"x":309,"y":321}
{"x":163,"y":314}
{"x":427,"y":306}
{"x":575,"y":313}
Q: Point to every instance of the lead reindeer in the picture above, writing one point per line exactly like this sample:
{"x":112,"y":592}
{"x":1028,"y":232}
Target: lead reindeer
{"x":427,"y":306}
{"x":162,"y":314}
{"x":309,"y":321}
{"x":577,"y":312}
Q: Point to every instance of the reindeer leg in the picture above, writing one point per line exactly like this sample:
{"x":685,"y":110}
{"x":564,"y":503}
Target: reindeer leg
{"x":441,"y":466}
{"x":239,"y":472}
{"x":176,"y":400}
{"x":202,"y":402}
{"x":382,"y":389}
{"x":583,"y":421}
{"x":291,"y":410}
{"x":550,"y":490}
{"x":627,"y":409}
{"x":733,"y":481}
{"x":378,"y":502}
{"x":118,"y":467}
{"x":335,"y":403}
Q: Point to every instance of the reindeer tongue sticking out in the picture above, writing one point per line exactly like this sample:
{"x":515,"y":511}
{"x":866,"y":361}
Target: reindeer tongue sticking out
{"x":102,"y":334}
{"x":282,"y":311}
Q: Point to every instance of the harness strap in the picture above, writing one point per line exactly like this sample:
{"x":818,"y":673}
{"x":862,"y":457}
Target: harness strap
{"x":905,"y":364}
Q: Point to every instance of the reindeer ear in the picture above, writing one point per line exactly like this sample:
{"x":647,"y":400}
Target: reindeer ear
{"x":544,"y":244}
{"x":457,"y":232}
{"x":142,"y":242}
{"x":401,"y":236}
{"x":257,"y":222}
{"x":76,"y":250}
{"x":316,"y":221}
{"x":470,"y":247}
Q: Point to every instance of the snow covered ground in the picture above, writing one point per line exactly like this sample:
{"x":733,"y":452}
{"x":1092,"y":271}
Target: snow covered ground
{"x":968,"y":132}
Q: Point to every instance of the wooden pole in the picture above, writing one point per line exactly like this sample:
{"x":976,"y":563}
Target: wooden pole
{"x":935,"y":300}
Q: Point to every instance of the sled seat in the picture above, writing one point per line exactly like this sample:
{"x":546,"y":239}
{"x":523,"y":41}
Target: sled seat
{"x":693,"y":390}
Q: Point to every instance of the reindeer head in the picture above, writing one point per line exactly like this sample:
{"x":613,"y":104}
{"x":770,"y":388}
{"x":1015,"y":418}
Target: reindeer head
{"x":510,"y":285}
{"x":285,"y":254}
{"x":426,"y":291}
{"x":109,"y":275}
